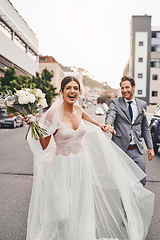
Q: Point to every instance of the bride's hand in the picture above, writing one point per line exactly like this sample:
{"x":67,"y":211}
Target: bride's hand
{"x":26,"y":119}
{"x":110,"y":128}
{"x":103,"y":127}
{"x":30,"y":118}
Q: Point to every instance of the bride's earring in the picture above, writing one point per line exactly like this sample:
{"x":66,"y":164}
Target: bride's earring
{"x":61,"y":96}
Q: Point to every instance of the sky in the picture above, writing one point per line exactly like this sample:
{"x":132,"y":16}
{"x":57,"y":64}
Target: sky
{"x":89,"y":34}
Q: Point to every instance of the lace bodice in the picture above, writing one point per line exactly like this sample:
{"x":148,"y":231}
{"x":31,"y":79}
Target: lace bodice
{"x":69,"y":141}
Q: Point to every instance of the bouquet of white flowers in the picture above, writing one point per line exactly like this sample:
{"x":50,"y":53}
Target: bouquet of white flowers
{"x":26,"y":102}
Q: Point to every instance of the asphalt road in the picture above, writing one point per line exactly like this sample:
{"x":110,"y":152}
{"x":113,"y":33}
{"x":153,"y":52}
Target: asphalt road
{"x":16,"y":175}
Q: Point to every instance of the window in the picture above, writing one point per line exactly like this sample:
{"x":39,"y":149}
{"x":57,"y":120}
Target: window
{"x":43,"y":59}
{"x":153,"y":49}
{"x":153,"y":34}
{"x":140,"y":43}
{"x":5,"y":29}
{"x":140,"y":75}
{"x":154,"y":93}
{"x":154,"y":77}
{"x":139,"y":92}
{"x":155,"y":63}
{"x":152,"y":64}
{"x":19,"y":42}
{"x":140,"y":59}
{"x":32,"y":54}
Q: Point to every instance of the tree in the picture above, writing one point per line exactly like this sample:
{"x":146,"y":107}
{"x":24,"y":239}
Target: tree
{"x":88,"y":80}
{"x":44,"y":83}
{"x":11,"y":81}
{"x":106,"y":86}
{"x":103,"y":98}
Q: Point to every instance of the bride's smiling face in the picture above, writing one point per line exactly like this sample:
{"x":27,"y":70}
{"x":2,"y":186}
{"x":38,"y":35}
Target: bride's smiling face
{"x":70,"y":92}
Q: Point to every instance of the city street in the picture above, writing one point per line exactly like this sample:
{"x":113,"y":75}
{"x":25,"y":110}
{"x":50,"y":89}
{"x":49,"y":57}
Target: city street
{"x":16,"y":175}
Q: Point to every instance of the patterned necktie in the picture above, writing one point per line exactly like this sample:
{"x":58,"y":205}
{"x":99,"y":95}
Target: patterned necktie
{"x":130,"y":110}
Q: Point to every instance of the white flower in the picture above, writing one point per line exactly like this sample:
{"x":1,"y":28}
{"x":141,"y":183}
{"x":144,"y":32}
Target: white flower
{"x":39,"y":93}
{"x":31,"y":98}
{"x":21,"y":93}
{"x":27,"y":89}
{"x":144,"y":111}
{"x":9,"y":101}
{"x":42,"y":102}
{"x":25,"y":99}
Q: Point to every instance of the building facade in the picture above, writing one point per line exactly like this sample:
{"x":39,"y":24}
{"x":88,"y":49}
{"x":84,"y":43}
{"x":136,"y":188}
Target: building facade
{"x":50,"y":63}
{"x":144,"y":60}
{"x":155,"y":67}
{"x":18,"y":43}
{"x":139,"y":62}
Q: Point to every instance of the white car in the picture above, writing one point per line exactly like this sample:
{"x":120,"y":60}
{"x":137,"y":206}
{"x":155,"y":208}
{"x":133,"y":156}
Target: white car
{"x":10,"y":120}
{"x":105,"y":107}
{"x":99,"y":111}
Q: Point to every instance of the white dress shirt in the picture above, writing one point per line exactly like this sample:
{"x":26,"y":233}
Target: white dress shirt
{"x":135,"y":114}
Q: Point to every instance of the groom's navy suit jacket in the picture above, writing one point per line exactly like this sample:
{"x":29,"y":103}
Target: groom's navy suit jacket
{"x":118,"y":115}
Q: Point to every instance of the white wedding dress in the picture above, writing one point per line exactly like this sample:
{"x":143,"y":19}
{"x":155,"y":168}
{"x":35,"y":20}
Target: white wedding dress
{"x":86,"y":188}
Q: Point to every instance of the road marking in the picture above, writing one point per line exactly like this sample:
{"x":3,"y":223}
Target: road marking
{"x":4,"y":130}
{"x":17,"y":174}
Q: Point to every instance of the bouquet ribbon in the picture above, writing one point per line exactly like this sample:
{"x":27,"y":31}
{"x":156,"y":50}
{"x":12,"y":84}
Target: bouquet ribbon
{"x":31,"y":118}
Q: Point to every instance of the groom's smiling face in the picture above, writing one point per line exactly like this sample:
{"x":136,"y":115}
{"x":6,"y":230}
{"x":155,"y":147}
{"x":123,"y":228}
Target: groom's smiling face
{"x":127,"y":90}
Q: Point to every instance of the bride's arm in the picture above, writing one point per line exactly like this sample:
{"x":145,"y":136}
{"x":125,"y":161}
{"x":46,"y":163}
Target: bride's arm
{"x":88,"y":118}
{"x":43,"y":141}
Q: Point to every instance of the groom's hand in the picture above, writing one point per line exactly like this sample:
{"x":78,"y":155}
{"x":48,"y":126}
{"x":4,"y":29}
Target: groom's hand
{"x":150,"y":154}
{"x":110,"y":128}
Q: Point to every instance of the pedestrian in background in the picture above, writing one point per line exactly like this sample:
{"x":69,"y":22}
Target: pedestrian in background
{"x":127,"y":119}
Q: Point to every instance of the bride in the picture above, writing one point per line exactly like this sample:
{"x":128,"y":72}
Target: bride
{"x":84,"y":187}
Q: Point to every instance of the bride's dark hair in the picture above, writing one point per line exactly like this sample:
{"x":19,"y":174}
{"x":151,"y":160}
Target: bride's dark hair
{"x":68,"y":79}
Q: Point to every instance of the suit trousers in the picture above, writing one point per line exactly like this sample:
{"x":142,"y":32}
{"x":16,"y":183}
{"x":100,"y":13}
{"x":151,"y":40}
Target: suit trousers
{"x":138,"y":158}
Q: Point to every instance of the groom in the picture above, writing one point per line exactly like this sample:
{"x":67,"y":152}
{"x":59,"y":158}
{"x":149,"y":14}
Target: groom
{"x":127,"y":121}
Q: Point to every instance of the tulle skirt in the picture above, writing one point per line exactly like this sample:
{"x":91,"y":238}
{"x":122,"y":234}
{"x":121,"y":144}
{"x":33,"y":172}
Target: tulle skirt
{"x":74,"y":206}
{"x":93,"y":195}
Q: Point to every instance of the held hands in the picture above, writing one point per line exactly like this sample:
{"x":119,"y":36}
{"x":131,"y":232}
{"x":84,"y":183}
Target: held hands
{"x":150,"y":154}
{"x":108,"y":128}
{"x":103,"y":127}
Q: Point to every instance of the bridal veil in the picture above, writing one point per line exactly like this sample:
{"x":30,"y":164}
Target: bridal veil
{"x":122,"y":207}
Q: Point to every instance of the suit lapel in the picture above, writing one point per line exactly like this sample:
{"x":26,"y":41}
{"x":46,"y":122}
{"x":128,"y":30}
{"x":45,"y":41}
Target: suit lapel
{"x":124,"y":108}
{"x":138,"y":105}
{"x":139,"y":109}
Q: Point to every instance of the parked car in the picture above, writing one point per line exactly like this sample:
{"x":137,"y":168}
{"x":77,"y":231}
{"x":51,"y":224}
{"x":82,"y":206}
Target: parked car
{"x":105,"y":107}
{"x":99,"y":111}
{"x":149,"y":117}
{"x":84,"y":106}
{"x":155,"y":129}
{"x":10,"y":120}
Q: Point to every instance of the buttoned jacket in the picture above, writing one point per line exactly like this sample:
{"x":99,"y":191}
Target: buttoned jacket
{"x":118,"y":116}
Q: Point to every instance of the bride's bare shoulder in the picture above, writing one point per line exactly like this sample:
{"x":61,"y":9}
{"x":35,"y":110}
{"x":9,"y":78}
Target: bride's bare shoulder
{"x":79,"y":108}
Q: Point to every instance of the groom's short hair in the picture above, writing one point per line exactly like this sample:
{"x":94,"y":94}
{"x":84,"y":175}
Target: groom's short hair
{"x":127,"y":78}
